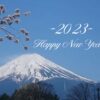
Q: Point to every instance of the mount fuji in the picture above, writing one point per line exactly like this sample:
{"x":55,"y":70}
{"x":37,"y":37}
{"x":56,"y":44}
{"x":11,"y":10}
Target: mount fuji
{"x":30,"y":68}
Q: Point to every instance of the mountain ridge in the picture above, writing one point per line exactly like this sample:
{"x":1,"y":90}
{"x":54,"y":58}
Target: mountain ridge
{"x":34,"y":65}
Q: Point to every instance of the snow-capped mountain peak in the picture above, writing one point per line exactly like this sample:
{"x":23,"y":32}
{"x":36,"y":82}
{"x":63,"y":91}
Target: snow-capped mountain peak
{"x":32,"y":67}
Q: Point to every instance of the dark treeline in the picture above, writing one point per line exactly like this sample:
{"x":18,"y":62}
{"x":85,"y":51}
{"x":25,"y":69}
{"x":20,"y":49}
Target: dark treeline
{"x":84,"y":91}
{"x":34,"y":91}
{"x":44,"y":91}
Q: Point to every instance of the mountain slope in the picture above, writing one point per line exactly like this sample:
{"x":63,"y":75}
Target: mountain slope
{"x":34,"y":66}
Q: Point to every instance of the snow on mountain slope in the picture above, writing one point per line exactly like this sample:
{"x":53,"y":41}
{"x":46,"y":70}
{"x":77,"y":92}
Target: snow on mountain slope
{"x":32,"y":67}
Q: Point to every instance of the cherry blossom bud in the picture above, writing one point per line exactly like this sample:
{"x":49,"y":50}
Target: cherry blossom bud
{"x":17,"y":21}
{"x":25,"y":47}
{"x":26,"y":33}
{"x":16,"y":41}
{"x":22,"y":30}
{"x":2,"y":9}
{"x":10,"y":37}
{"x":27,"y":38}
{"x":27,"y":13}
{"x":17,"y":10}
{"x":17,"y":15}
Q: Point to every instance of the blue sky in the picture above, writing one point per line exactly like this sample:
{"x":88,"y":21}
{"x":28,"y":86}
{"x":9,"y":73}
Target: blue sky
{"x":46,"y":14}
